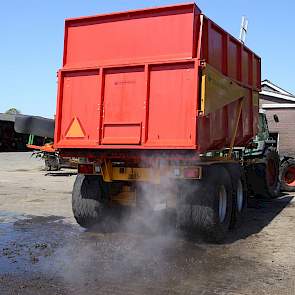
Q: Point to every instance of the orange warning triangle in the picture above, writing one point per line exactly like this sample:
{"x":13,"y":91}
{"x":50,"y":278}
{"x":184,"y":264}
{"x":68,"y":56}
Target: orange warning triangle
{"x":75,"y":129}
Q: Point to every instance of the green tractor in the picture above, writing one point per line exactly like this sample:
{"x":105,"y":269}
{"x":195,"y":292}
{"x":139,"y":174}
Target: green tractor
{"x":262,"y":163}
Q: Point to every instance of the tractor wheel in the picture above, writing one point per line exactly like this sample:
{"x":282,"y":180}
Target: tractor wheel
{"x":240,"y":195}
{"x":89,"y":200}
{"x":205,"y":206}
{"x":287,"y":176}
{"x":263,"y":178}
{"x":52,"y":163}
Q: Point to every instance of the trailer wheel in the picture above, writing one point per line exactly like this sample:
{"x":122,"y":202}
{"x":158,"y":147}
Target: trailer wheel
{"x":287,"y":175}
{"x":240,"y":195}
{"x":89,"y":200}
{"x":263,"y":178}
{"x":206,"y":206}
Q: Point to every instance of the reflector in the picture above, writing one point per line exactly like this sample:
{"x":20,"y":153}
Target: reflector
{"x":192,"y":172}
{"x":75,"y":129}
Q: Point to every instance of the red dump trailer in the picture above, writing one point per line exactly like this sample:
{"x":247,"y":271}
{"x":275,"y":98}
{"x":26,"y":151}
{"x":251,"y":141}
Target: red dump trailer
{"x":154,"y":94}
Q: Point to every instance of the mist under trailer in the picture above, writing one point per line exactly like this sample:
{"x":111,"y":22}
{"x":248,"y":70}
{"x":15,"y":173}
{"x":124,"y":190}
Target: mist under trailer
{"x":158,"y":94}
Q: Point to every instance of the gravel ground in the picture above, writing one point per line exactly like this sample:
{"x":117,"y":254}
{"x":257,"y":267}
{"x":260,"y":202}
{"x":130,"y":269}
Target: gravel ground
{"x":43,"y":251}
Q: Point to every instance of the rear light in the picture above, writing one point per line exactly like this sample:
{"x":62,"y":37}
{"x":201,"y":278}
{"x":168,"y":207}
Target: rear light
{"x":86,"y":169}
{"x":192,"y":172}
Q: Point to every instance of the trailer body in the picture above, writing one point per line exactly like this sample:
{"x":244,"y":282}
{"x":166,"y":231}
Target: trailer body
{"x":160,"y":78}
{"x":156,"y":96}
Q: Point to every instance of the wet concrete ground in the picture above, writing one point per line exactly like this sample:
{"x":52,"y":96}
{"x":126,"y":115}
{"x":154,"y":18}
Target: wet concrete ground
{"x":43,"y":250}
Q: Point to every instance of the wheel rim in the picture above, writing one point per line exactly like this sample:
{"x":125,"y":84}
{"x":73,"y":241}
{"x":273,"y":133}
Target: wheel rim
{"x":290,"y":176}
{"x":271,"y":172}
{"x":240,"y":196}
{"x":222,"y":203}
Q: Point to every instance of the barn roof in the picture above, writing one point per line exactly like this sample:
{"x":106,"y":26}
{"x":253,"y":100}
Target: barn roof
{"x":272,"y":90}
{"x":7,"y":117}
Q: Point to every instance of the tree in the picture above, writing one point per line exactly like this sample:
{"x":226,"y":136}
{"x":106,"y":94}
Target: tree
{"x":12,"y":111}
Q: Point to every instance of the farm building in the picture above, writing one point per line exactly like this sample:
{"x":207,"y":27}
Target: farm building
{"x":9,"y":139}
{"x":279,"y":106}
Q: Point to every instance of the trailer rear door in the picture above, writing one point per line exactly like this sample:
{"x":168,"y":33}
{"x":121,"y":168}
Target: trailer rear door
{"x":162,"y":115}
{"x":124,"y":99}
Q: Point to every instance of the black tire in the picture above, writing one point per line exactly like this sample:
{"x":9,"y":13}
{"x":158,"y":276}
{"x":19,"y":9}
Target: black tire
{"x":287,"y":175}
{"x":263,"y":178}
{"x":38,"y":126}
{"x":240,"y":195}
{"x":199,"y":204}
{"x":89,"y":200}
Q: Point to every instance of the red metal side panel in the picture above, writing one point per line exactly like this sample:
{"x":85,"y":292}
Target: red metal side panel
{"x":247,"y":120}
{"x":232,"y":59}
{"x":124,"y":100}
{"x":245,"y":129}
{"x":234,"y":52}
{"x":172,"y":105}
{"x":216,"y":49}
{"x":215,"y":130}
{"x":78,"y":120}
{"x":247,"y":67}
{"x":129,"y":37}
{"x":257,"y":73}
{"x":229,"y":56}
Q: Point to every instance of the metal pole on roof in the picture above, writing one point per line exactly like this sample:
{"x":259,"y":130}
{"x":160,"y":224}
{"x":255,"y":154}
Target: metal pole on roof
{"x":244,"y":29}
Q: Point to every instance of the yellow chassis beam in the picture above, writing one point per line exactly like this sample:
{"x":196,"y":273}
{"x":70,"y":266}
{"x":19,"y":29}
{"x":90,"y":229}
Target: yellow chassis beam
{"x":153,"y":175}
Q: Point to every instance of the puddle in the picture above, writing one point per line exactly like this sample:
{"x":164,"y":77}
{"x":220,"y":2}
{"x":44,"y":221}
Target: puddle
{"x":9,"y":216}
{"x":27,"y":241}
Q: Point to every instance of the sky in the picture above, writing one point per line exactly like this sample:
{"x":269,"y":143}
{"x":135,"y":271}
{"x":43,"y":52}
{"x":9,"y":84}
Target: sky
{"x":31,"y":42}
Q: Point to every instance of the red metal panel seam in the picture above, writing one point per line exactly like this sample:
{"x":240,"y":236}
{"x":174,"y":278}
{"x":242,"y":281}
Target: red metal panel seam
{"x":252,"y":115}
{"x":134,"y":11}
{"x":146,"y":103}
{"x":259,"y":74}
{"x":251,"y":61}
{"x":65,"y":44}
{"x":206,"y":40}
{"x":58,"y":115}
{"x":225,"y":42}
{"x":101,"y":112}
{"x":201,"y":17}
{"x":128,"y":65}
{"x":198,"y":69}
{"x":196,"y":104}
{"x":195,"y":24}
{"x":239,"y":62}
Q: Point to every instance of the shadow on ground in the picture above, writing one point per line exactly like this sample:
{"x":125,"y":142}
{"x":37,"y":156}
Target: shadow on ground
{"x":60,"y":173}
{"x":260,"y":213}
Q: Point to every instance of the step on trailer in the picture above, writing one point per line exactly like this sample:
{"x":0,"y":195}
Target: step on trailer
{"x":156,"y":95}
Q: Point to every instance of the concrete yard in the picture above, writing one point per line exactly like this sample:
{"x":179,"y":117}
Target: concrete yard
{"x":43,"y":251}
